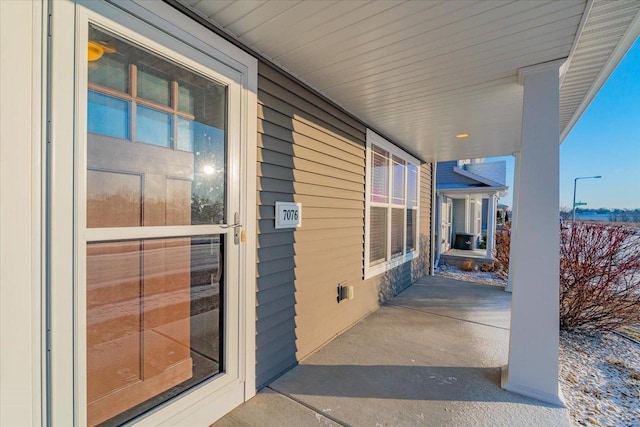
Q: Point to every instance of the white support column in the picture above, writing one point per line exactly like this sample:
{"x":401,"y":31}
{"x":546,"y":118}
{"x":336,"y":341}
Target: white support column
{"x":514,"y":215}
{"x":467,"y":214}
{"x":534,"y":341}
{"x":491,"y":224}
{"x":437,"y":229}
{"x":435,"y":209}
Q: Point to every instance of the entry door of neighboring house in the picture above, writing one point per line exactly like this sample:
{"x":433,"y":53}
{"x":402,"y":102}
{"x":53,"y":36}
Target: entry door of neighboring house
{"x":156,"y":227}
{"x":446,"y":224}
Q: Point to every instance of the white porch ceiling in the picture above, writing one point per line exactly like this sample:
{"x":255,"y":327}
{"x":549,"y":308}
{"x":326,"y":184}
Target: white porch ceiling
{"x":422,"y":71}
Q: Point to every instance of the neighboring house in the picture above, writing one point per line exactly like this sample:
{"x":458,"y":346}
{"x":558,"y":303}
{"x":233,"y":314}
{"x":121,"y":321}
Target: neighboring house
{"x":186,"y":186}
{"x":503,"y":214}
{"x":467,"y":204}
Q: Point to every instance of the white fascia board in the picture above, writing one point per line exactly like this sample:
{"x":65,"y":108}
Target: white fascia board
{"x":457,"y":192}
{"x":477,"y":177}
{"x":574,"y":46}
{"x":629,"y":37}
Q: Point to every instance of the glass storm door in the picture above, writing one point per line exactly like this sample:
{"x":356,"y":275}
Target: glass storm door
{"x":446,"y":225}
{"x":150,"y":178}
{"x":157,"y":208}
{"x":155,"y":158}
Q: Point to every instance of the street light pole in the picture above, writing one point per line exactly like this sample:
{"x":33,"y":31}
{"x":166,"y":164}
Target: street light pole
{"x":575,"y":184}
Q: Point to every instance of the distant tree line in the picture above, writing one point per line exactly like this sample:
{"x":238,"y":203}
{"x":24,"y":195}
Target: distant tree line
{"x":615,"y":215}
{"x":625,"y":215}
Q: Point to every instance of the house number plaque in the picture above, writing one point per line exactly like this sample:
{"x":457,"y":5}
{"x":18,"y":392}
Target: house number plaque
{"x":288,"y":215}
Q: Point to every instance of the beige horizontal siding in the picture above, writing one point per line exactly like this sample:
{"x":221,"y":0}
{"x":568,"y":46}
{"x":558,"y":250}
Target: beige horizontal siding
{"x":303,"y":127}
{"x":300,"y":102}
{"x":312,"y":153}
{"x":267,"y":225}
{"x":302,"y":166}
{"x":281,"y":186}
{"x":328,"y":157}
{"x":267,"y":212}
{"x":314,"y":178}
{"x":420,"y":266}
{"x":266,"y":198}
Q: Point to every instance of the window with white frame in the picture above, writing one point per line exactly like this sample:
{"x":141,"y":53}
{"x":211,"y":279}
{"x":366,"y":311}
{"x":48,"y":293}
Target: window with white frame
{"x":391,"y":226}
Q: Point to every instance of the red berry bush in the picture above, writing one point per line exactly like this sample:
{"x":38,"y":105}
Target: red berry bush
{"x":599,"y":276}
{"x":502,"y":249}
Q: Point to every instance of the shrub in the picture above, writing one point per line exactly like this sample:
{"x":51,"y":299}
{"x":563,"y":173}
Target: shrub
{"x":599,"y":277}
{"x":467,"y":265}
{"x":502,"y":248}
{"x":487,"y":267}
{"x":483,"y":241}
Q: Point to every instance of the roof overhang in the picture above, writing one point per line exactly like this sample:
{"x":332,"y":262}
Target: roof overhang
{"x":456,"y":193}
{"x":476,"y":177}
{"x":419,"y":73}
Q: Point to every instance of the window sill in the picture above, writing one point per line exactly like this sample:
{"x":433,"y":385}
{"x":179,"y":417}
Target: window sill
{"x":377,"y":269}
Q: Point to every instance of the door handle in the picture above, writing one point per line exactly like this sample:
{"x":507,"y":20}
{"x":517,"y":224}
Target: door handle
{"x":225,"y":226}
{"x":236,"y":222}
{"x":238,"y":233}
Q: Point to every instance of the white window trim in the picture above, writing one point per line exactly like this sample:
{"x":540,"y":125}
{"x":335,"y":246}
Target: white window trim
{"x":371,"y":271}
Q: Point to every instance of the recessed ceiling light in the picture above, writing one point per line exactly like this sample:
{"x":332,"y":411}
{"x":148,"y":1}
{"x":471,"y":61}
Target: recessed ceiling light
{"x":462,"y":135}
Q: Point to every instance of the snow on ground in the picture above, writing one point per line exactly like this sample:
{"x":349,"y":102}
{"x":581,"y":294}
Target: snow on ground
{"x":599,"y":375}
{"x":600,"y":378}
{"x":471,"y":276}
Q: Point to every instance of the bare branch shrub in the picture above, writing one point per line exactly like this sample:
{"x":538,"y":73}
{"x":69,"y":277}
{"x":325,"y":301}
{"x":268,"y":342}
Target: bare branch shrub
{"x":488,"y":267}
{"x":599,"y":277}
{"x":502,"y":248}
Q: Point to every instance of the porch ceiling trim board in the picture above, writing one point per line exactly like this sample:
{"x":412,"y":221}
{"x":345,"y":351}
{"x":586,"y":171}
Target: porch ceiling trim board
{"x":420,"y":72}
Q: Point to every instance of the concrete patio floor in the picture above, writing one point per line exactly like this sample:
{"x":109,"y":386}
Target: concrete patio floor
{"x":431,"y":356}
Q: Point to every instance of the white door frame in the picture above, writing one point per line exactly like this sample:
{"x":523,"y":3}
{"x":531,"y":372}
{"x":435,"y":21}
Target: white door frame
{"x":22,"y":141}
{"x":446,"y":223}
{"x":159,"y":28}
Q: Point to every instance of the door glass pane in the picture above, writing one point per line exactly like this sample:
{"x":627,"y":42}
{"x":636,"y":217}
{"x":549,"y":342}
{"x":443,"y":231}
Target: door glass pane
{"x":154,"y":313}
{"x":153,"y":126}
{"x":185,"y":100}
{"x":153,"y":86}
{"x":185,"y":134}
{"x":154,"y":322}
{"x":113,"y":71}
{"x":107,"y":115}
{"x":114,"y":199}
{"x":181,"y":182}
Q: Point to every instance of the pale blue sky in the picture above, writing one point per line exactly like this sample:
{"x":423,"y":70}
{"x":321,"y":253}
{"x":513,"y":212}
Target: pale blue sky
{"x":605,"y":141}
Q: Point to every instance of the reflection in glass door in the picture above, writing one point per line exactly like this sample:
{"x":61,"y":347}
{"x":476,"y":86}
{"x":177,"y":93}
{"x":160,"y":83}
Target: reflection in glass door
{"x":156,"y":158}
{"x":446,"y":226}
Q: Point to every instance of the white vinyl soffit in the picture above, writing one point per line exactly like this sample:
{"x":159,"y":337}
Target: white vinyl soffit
{"x":422,"y":72}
